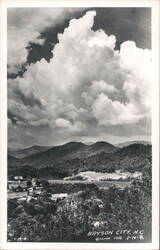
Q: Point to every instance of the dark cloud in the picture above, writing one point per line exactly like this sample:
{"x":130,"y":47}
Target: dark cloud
{"x":21,"y":69}
{"x":14,"y":118}
{"x":29,"y":100}
{"x":125,"y":23}
{"x":36,"y":52}
{"x":88,"y":89}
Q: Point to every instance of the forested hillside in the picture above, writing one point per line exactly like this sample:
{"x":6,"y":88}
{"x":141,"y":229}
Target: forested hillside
{"x":131,"y":158}
{"x":74,"y":218}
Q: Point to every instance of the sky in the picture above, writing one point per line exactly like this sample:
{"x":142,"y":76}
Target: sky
{"x":78,"y":74}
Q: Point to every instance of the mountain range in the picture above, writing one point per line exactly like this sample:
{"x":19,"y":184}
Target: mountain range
{"x":75,"y":157}
{"x":124,"y":144}
{"x":21,"y":153}
{"x":42,"y":156}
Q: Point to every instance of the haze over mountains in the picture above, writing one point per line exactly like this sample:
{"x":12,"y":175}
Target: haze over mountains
{"x":48,"y":155}
{"x":21,"y":153}
{"x":100,"y":145}
{"x":124,"y":144}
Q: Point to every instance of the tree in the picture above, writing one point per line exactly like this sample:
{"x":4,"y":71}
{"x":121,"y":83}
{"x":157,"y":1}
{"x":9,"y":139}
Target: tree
{"x":29,"y":183}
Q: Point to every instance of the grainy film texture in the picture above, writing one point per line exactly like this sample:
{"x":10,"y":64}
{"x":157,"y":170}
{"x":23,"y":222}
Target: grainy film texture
{"x":79,"y":125}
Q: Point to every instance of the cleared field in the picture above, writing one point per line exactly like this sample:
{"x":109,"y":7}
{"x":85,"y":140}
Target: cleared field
{"x":68,"y":181}
{"x":108,"y":184}
{"x":99,"y":176}
{"x":100,"y":184}
{"x":12,"y":195}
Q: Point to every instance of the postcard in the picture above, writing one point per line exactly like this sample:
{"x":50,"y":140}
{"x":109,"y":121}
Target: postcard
{"x":79,"y":125}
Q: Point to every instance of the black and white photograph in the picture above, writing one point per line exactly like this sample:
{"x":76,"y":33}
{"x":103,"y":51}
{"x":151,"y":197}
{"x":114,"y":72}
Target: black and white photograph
{"x":79,"y":126}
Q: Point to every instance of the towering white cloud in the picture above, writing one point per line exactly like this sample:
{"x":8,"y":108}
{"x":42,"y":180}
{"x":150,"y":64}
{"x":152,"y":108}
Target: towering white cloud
{"x":86,"y":80}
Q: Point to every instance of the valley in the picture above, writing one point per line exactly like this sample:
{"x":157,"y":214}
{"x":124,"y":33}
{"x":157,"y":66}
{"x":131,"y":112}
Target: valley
{"x":80,"y":187}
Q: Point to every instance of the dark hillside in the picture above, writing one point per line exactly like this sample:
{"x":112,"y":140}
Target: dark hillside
{"x":131,"y":158}
{"x":21,"y":153}
{"x":68,"y":151}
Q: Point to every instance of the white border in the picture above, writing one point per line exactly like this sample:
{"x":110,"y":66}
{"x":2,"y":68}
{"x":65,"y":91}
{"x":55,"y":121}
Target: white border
{"x":155,"y":5}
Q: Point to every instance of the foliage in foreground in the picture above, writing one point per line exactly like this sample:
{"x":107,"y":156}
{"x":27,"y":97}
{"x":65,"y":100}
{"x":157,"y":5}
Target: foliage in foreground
{"x":71,"y":219}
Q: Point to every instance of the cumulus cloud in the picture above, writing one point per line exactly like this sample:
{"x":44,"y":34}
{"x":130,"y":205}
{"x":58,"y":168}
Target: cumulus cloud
{"x":18,"y":39}
{"x":25,"y":26}
{"x":102,"y":86}
{"x":41,"y":122}
{"x":62,"y":123}
{"x":87,"y":85}
{"x":110,"y":112}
